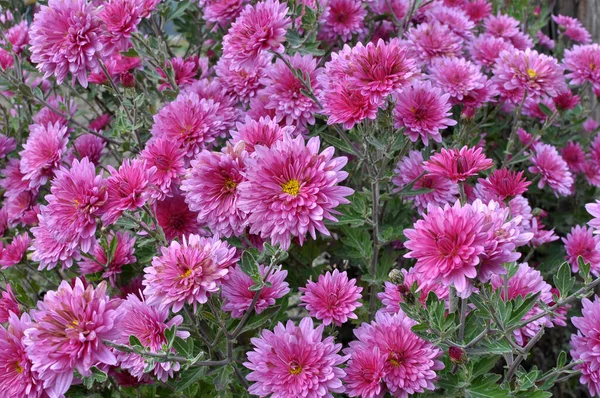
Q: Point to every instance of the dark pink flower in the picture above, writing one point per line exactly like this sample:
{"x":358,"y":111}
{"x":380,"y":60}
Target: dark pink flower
{"x":342,"y":19}
{"x":184,"y":72}
{"x":365,"y":372}
{"x":122,"y":255}
{"x":551,"y":167}
{"x":13,"y":254}
{"x":477,"y":10}
{"x":18,"y":37}
{"x":168,"y":159}
{"x":175,"y":217}
{"x":121,"y":18}
{"x":346,"y":105}
{"x":7,"y":145}
{"x":505,"y":183}
{"x":242,"y":84}
{"x":582,"y":242}
{"x":222,"y":12}
{"x":87,"y":145}
{"x":458,"y":164}
{"x":574,"y":156}
{"x":393,"y":294}
{"x":8,"y":304}
{"x":263,"y":132}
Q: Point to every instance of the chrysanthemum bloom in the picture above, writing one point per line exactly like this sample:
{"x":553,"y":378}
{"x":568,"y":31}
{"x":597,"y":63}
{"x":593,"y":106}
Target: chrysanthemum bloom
{"x":187,"y":273}
{"x":532,"y":108}
{"x":582,"y":242}
{"x":184,"y":72}
{"x":13,"y":254}
{"x":13,"y":182}
{"x":6,"y":60}
{"x":544,"y":40}
{"x":478,"y":10}
{"x":87,"y":145}
{"x":121,"y":18}
{"x":123,"y":255}
{"x":42,"y":153}
{"x":342,"y":19}
{"x":365,"y":372}
{"x":391,"y":7}
{"x":505,"y":183}
{"x":333,"y":298}
{"x":520,"y":72}
{"x":18,"y":379}
{"x":101,"y":122}
{"x":590,"y":125}
{"x":380,"y":69}
{"x":291,"y":188}
{"x":263,"y":132}
{"x":18,"y":37}
{"x":431,"y":40}
{"x":583,"y":64}
{"x":410,"y":362}
{"x":68,"y":333}
{"x":212,"y":189}
{"x":284,"y":91}
{"x":526,"y":281}
{"x":574,"y":156}
{"x":175,"y":217}
{"x":7,"y":145}
{"x":168,"y":159}
{"x":591,"y":172}
{"x":222,"y":12}
{"x":553,"y":170}
{"x":594,"y":210}
{"x":346,"y":105}
{"x":47,"y":116}
{"x":541,"y":235}
{"x":65,"y":37}
{"x":566,"y":100}
{"x":119,"y":68}
{"x":49,"y":249}
{"x":572,"y":28}
{"x":237,"y":295}
{"x":454,"y":18}
{"x":189,"y":121}
{"x":127,"y":189}
{"x":501,"y":25}
{"x":242,"y":84}
{"x":295,"y":361}
{"x":447,"y":244}
{"x":584,"y":344}
{"x":485,"y":49}
{"x":259,"y":28}
{"x":148,"y":324}
{"x":410,"y":169}
{"x":458,"y":165}
{"x":8,"y":304}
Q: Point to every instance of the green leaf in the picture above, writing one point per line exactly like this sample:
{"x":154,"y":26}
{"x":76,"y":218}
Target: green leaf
{"x":249,"y":265}
{"x":96,"y":376}
{"x":358,"y":241}
{"x":189,"y":377}
{"x":563,"y":279}
{"x":522,"y":309}
{"x":584,"y":268}
{"x":339,"y":143}
{"x":223,"y":377}
{"x":562,"y":359}
{"x":134,"y":342}
{"x":181,"y":7}
{"x":184,"y":347}
{"x":484,"y":365}
{"x":131,"y":53}
{"x":257,"y":321}
{"x":170,"y":335}
{"x":544,"y":108}
{"x":485,"y":387}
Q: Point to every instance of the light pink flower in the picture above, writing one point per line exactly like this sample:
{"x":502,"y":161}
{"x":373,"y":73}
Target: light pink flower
{"x":175,"y":217}
{"x":454,"y":18}
{"x":553,"y":170}
{"x":544,"y":40}
{"x":18,"y":36}
{"x":342,"y":19}
{"x":222,"y":12}
{"x":242,"y":84}
{"x":458,"y":164}
{"x":263,"y":132}
{"x":123,"y":255}
{"x":582,"y":242}
{"x":365,"y":372}
{"x":583,"y":64}
{"x":572,"y":28}
{"x":485,"y":49}
{"x":121,"y":18}
{"x":594,"y":210}
{"x":7,"y":145}
{"x":584,"y":344}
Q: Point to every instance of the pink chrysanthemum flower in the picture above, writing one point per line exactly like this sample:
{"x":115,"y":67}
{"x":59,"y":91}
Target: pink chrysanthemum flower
{"x":346,"y":105}
{"x":168,"y":159}
{"x":582,"y":242}
{"x":49,"y":249}
{"x":594,"y":210}
{"x":391,"y":7}
{"x":574,"y":156}
{"x":410,"y":169}
{"x":238,"y":296}
{"x":431,"y":40}
{"x":333,"y":298}
{"x":505,"y":183}
{"x":101,"y":122}
{"x":8,"y":304}
{"x":501,"y":25}
{"x":184,"y":72}
{"x":541,"y":235}
{"x":189,"y":121}
{"x":393,"y":294}
{"x":519,"y":72}
{"x":454,"y":18}
{"x":584,"y":345}
{"x":590,"y":125}
{"x":222,"y":12}
{"x":68,"y":333}
{"x":42,"y":153}
{"x":566,"y":100}
{"x":148,"y":324}
{"x":259,"y":28}
{"x":365,"y":372}
{"x":423,"y":110}
{"x":526,"y":281}
{"x":591,"y":171}
{"x":65,"y":37}
{"x":175,"y":217}
{"x":18,"y":37}
{"x":410,"y":362}
{"x":87,"y":145}
{"x":478,"y":10}
{"x":123,"y":255}
{"x":544,"y":40}
{"x":18,"y":379}
{"x":583,"y":64}
{"x":13,"y":182}
{"x":295,"y":361}
{"x":127,"y":188}
{"x":342,"y":19}
{"x":458,"y":164}
{"x":13,"y":254}
{"x":47,"y":116}
{"x":263,"y":132}
{"x":572,"y":28}
{"x":187,"y":273}
{"x":242,"y":84}
{"x":291,"y":189}
{"x":7,"y":145}
{"x":485,"y":49}
{"x":212,"y":189}
{"x":6,"y":60}
{"x":284,"y":91}
{"x":553,"y":170}
{"x":457,"y":77}
{"x":121,"y":18}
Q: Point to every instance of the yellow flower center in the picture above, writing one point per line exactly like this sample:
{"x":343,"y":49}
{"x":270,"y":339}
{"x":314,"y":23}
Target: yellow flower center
{"x":74,"y":323}
{"x":295,"y":369}
{"x":292,"y":187}
{"x":230,"y":184}
{"x":19,"y":368}
{"x":394,"y":363}
{"x":186,"y":274}
{"x":592,"y":66}
{"x":531,"y":73}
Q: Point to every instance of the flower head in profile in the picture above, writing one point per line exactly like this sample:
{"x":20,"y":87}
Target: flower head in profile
{"x":175,"y":217}
{"x":295,"y":361}
{"x":168,"y":159}
{"x":342,"y":19}
{"x":582,"y":242}
{"x":552,"y":168}
{"x":8,"y":304}
{"x":458,"y":164}
{"x":583,"y":64}
{"x":572,"y":28}
{"x":458,"y":77}
{"x":333,"y":298}
{"x":238,"y":296}
{"x":87,"y":145}
{"x":264,"y":131}
{"x":574,"y":156}
{"x":584,"y":344}
{"x":18,"y":37}
{"x":242,"y":84}
{"x":291,"y":188}
{"x":184,"y":72}
{"x":65,"y":37}
{"x":505,"y":183}
{"x":13,"y":254}
{"x":7,"y":145}
{"x":68,"y":333}
{"x":99,"y":260}
{"x":187,"y":272}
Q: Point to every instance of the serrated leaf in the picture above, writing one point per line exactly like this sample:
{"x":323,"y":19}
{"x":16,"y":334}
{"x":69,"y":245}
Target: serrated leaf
{"x":563,"y":280}
{"x":131,"y":53}
{"x":584,"y":268}
{"x":522,"y":309}
{"x":338,"y":143}
{"x":189,"y":377}
{"x":484,"y":365}
{"x":257,"y":321}
{"x":184,"y":347}
{"x":96,"y":376}
{"x":485,"y":387}
{"x":249,"y":265}
{"x":358,"y":241}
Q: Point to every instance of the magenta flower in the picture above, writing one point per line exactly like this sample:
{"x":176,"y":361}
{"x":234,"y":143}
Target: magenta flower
{"x":431,"y":40}
{"x":49,"y":250}
{"x":7,"y":145}
{"x":175,"y":217}
{"x":346,"y":105}
{"x":364,"y":373}
{"x":101,"y":122}
{"x":184,"y":72}
{"x":459,"y":78}
{"x":148,"y":324}
{"x":122,"y":255}
{"x":410,"y":362}
{"x":572,"y":28}
{"x":121,"y":18}
{"x":70,"y":326}
{"x":42,"y":153}
{"x":458,"y":164}
{"x":291,"y":188}
{"x":242,"y":84}
{"x":393,"y":294}
{"x":342,"y":19}
{"x":447,"y":244}
{"x":423,"y":110}
{"x":584,"y":345}
{"x":505,"y":183}
{"x":582,"y":242}
{"x":583,"y":64}
{"x":13,"y":254}
{"x":222,"y":12}
{"x":13,"y":182}
{"x":263,"y":132}
{"x":478,"y":10}
{"x":168,"y":160}
{"x":259,"y":28}
{"x":333,"y":298}
{"x":295,"y":361}
{"x":574,"y":156}
{"x":237,"y":295}
{"x":485,"y":49}
{"x":187,"y":273}
{"x":8,"y":304}
{"x":507,"y":28}
{"x":18,"y":37}
{"x":454,"y":18}
{"x":87,"y":145}
{"x":553,"y":170}
{"x":65,"y":37}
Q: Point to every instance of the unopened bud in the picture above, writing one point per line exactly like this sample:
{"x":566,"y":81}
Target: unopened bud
{"x":396,"y":276}
{"x":457,"y":355}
